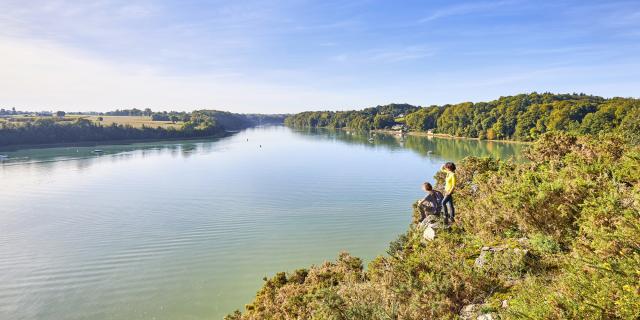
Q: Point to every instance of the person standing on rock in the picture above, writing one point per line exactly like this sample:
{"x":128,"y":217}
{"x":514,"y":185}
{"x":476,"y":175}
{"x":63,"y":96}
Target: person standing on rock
{"x":450,"y":185}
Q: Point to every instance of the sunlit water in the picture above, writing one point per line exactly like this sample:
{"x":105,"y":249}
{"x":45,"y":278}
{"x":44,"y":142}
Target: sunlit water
{"x":188,"y":229}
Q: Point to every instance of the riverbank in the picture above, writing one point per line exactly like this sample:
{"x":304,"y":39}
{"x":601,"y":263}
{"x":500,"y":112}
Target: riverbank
{"x":12,"y":148}
{"x":442,"y":135}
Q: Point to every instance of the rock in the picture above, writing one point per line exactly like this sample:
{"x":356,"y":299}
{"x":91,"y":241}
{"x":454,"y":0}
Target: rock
{"x":429,"y":233}
{"x":503,"y":252}
{"x":469,"y":311}
{"x":472,"y":311}
{"x":486,"y":316}
{"x":481,"y":260}
{"x":431,"y":218}
{"x":430,"y":230}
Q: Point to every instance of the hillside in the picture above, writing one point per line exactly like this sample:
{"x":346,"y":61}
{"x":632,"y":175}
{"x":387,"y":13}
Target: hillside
{"x":522,"y":117}
{"x":556,"y":237}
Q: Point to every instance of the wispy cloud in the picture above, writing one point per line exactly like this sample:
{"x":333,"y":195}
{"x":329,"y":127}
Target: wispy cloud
{"x":386,"y":55}
{"x":401,"y":54}
{"x":466,"y":8}
{"x":298,"y":54}
{"x":66,"y":78}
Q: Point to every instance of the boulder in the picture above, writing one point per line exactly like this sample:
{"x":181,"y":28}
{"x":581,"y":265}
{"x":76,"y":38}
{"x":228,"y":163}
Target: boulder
{"x":485,"y":252}
{"x":474,"y":312}
{"x":507,"y":263}
{"x":430,"y":230}
{"x":485,"y":316}
{"x":470,"y":311}
{"x":429,"y":233}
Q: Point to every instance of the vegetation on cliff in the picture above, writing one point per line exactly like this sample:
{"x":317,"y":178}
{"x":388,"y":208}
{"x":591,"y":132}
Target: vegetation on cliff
{"x":553,"y":238}
{"x":522,"y":117}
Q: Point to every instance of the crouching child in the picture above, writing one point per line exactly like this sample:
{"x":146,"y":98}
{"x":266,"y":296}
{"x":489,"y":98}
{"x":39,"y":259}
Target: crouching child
{"x":431,"y":204}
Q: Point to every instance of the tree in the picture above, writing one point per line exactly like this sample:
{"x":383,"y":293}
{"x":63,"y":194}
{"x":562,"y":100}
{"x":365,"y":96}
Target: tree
{"x":381,"y":121}
{"x":423,"y":119}
{"x":60,"y":114}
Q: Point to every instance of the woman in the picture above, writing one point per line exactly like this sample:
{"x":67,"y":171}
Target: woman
{"x":450,"y":184}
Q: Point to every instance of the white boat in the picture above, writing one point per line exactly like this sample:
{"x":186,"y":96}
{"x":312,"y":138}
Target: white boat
{"x":97,"y":151}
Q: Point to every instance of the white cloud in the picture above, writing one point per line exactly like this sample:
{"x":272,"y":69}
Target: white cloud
{"x":39,"y":75}
{"x":465,"y":8}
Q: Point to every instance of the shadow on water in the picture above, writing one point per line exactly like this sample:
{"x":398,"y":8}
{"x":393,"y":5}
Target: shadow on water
{"x":432,"y":147}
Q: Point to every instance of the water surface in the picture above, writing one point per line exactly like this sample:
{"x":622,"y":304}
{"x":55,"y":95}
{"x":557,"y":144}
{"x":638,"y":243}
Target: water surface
{"x":187,"y":229}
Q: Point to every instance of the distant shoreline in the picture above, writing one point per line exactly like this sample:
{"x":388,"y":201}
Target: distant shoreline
{"x":12,"y":148}
{"x":446,"y":136}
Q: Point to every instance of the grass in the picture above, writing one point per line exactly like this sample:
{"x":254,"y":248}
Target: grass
{"x":134,"y":121}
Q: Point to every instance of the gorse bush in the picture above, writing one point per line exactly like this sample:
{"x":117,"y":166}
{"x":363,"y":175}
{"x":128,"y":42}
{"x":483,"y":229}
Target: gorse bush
{"x":557,"y":237}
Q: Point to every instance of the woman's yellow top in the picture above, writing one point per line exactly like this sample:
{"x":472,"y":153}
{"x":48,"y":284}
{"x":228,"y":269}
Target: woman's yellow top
{"x":450,"y":182}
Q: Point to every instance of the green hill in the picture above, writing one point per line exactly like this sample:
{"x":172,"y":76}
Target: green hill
{"x":557,"y":237}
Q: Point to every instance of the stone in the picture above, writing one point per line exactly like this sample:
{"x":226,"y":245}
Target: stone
{"x":431,"y":218}
{"x":481,"y":260}
{"x":472,"y":312}
{"x":515,"y":254}
{"x":486,"y":316}
{"x":469,"y":311}
{"x":429,"y":233}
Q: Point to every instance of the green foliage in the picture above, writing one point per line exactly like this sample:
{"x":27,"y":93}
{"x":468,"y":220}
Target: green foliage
{"x":562,"y":237}
{"x":544,"y":244}
{"x":369,"y":118}
{"x":423,"y":119}
{"x":201,"y":123}
{"x":382,"y":121}
{"x":522,"y":117}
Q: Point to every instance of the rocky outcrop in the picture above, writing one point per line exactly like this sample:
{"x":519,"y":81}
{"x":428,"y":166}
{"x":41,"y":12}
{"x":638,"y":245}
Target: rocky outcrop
{"x":474,"y":312}
{"x":500,"y":254}
{"x":430,"y":227}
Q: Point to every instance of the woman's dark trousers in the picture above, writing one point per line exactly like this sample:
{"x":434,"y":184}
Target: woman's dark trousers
{"x":449,"y":211}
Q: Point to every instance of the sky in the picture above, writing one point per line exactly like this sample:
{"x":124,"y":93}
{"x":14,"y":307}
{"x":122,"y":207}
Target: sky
{"x":271,"y":56}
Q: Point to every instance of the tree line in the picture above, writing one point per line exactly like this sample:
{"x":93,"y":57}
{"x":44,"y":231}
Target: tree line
{"x":48,"y":130}
{"x":521,"y":117}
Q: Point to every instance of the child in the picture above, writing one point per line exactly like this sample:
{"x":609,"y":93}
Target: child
{"x":450,"y":185}
{"x":430,"y":204}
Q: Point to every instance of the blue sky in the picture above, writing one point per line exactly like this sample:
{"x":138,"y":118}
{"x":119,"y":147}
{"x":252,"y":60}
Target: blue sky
{"x":288,"y":56}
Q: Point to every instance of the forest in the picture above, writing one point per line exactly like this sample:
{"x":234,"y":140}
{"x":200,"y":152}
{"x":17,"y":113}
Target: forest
{"x":522,"y":117}
{"x":554,"y":237}
{"x":52,"y":130}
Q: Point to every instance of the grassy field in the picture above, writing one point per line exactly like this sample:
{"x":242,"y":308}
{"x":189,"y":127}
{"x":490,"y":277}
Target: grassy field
{"x":133,"y":121}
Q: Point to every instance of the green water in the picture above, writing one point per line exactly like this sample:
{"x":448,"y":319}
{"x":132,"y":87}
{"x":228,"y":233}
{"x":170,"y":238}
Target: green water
{"x":187,"y":229}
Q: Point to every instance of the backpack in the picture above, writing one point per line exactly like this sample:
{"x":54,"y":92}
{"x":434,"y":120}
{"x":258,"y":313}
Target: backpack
{"x":438,"y":196}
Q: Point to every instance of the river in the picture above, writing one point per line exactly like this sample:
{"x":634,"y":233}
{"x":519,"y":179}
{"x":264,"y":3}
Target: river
{"x":188,"y":229}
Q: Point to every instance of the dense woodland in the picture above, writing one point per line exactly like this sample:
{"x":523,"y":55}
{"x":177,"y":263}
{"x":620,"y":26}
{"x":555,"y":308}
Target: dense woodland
{"x":556,"y":237}
{"x":48,"y":130}
{"x":522,"y":117}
